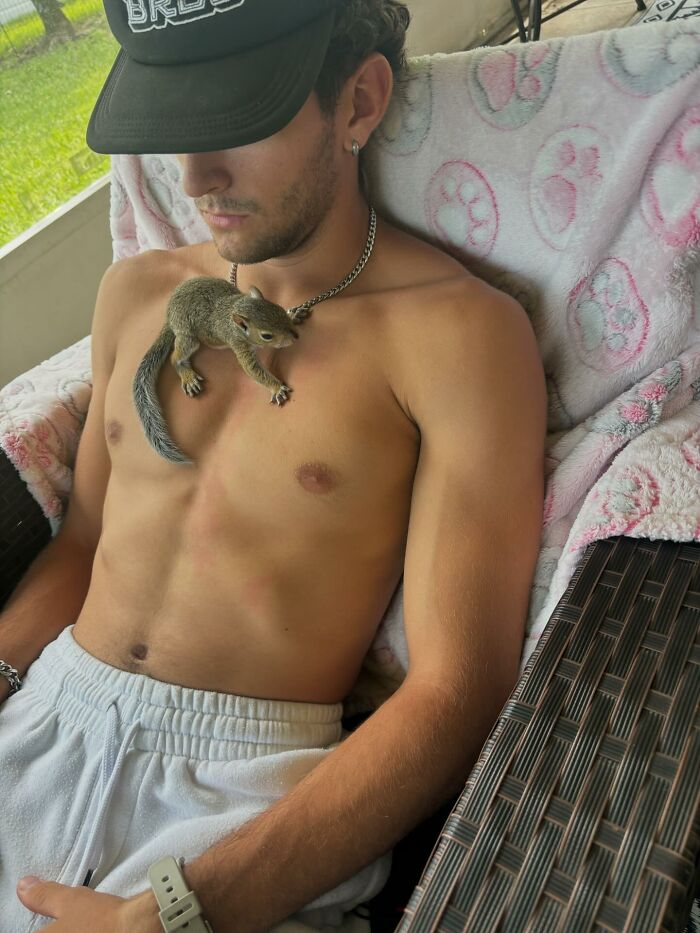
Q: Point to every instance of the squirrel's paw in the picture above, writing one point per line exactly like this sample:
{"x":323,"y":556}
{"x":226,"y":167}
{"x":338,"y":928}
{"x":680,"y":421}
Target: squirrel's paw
{"x":192,"y":383}
{"x":281,"y":396}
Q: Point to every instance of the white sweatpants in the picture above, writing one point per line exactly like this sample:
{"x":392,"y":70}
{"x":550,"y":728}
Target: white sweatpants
{"x":105,"y":771}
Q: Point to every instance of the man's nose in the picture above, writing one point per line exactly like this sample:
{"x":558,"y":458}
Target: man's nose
{"x":203,"y":172}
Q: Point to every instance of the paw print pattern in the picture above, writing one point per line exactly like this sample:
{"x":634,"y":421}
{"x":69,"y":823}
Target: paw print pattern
{"x":565,"y":179}
{"x":461,"y":208}
{"x":671,"y":189}
{"x":510,"y":87}
{"x":637,"y":62}
{"x":627,"y":498}
{"x":407,"y":121}
{"x":607,"y":318}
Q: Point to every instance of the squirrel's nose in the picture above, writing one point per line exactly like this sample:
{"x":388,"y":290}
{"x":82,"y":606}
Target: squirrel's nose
{"x":295,"y":335}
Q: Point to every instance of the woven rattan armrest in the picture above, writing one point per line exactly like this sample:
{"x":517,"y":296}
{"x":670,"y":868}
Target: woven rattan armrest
{"x":582,"y":811}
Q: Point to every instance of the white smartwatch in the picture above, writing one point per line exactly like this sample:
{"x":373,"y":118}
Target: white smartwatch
{"x":178,"y":905}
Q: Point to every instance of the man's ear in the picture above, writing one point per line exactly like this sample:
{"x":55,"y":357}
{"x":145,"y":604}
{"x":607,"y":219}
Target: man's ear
{"x":366,"y":96}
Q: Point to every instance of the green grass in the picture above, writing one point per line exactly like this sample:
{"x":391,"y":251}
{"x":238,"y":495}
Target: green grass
{"x":46,"y":100}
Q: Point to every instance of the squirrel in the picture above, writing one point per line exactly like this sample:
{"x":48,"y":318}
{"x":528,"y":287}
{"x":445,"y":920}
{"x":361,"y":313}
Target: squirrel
{"x":211,"y":311}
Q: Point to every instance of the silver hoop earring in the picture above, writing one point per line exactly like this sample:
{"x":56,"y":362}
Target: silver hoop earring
{"x":355,"y":148}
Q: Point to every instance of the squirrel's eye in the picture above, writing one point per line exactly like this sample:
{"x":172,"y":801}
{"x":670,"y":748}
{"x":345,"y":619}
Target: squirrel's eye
{"x":266,"y":336}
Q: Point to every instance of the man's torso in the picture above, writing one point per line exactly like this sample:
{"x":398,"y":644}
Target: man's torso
{"x":265,"y":569}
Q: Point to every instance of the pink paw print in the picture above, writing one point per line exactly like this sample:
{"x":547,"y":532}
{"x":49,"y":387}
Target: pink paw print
{"x":565,"y":179}
{"x":461,"y":208}
{"x":607,"y":318}
{"x":583,"y":162}
{"x":671,"y":189}
{"x":510,"y":87}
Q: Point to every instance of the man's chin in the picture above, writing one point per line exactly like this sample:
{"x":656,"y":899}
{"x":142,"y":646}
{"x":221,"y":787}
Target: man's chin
{"x":229,"y":246}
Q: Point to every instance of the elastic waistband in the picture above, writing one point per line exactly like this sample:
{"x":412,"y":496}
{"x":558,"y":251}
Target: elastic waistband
{"x":173,"y":719}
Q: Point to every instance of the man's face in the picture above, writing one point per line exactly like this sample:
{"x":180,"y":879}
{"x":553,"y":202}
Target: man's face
{"x":280,"y":188}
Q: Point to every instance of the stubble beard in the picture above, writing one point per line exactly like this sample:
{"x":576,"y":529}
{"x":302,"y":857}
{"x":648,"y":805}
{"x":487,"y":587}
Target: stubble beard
{"x":302,"y":208}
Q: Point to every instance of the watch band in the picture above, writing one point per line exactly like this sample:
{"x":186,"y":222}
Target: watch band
{"x":178,"y":905}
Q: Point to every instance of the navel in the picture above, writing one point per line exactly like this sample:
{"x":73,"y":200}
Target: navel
{"x":140,"y":652}
{"x":114,"y":431}
{"x":316,"y":476}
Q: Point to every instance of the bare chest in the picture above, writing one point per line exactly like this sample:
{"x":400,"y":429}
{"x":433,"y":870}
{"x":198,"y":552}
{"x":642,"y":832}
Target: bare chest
{"x":340,"y":443}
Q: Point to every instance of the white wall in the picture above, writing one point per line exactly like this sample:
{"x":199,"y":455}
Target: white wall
{"x":49,"y":279}
{"x":454,"y":25}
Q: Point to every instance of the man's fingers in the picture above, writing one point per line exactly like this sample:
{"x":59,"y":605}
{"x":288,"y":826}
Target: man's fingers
{"x":47,"y":898}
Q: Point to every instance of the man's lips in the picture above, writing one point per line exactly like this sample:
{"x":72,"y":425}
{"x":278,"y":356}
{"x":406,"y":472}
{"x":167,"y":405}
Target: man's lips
{"x":224,"y":220}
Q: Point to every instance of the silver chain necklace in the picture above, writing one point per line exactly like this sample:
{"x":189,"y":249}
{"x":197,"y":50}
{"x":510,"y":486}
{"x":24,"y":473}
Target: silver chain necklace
{"x":300,"y":312}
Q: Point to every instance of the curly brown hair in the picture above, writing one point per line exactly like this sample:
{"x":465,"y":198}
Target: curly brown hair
{"x":361,"y":28}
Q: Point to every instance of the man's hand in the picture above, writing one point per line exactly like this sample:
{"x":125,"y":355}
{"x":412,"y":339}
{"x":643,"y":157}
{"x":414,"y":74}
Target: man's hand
{"x":81,"y":910}
{"x":4,"y":689}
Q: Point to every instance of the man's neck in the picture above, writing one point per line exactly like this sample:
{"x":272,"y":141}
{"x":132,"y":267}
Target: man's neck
{"x":319,"y":264}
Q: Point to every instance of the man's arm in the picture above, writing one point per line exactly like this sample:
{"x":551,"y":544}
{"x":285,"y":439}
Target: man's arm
{"x":478,"y":396}
{"x":51,"y":594}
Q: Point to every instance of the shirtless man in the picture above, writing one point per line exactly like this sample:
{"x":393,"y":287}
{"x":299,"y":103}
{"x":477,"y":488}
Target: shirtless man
{"x":264,"y":570}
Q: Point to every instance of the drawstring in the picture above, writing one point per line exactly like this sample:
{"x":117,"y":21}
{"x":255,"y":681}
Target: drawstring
{"x":111,"y":765}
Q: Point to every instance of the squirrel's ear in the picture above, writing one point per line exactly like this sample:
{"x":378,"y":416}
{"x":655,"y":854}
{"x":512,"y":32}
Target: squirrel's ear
{"x":241,"y":321}
{"x":254,"y":292}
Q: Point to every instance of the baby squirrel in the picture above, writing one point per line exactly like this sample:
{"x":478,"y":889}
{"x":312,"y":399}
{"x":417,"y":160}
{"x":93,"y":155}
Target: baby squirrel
{"x":211,"y":311}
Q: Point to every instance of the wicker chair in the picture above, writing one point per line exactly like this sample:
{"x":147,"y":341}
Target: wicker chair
{"x":582,"y":811}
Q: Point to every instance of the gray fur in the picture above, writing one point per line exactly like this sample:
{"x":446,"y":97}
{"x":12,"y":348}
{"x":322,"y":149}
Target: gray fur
{"x":208,"y":310}
{"x":147,"y":401}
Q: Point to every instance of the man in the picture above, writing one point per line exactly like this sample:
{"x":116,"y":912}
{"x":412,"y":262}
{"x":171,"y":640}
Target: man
{"x":255,"y":579}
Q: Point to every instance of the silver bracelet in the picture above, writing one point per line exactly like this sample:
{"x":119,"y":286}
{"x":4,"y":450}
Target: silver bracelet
{"x":12,"y":675}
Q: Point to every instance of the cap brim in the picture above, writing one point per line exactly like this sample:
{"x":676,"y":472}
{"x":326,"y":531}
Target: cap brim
{"x":204,"y":106}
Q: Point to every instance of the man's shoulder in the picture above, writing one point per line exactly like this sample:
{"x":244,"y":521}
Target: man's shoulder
{"x":149,"y":266}
{"x":419,"y":278}
{"x":431,"y":298}
{"x":135,"y":283}
{"x":132,"y":288}
{"x":447,"y":321}
{"x":407,"y":262}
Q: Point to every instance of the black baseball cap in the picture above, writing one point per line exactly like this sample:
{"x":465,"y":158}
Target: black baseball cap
{"x":198,"y":75}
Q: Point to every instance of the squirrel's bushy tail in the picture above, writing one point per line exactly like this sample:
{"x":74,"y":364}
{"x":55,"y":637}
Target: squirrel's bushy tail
{"x":147,"y":401}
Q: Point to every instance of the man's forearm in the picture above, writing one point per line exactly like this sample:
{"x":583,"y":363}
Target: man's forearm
{"x":393,"y":772}
{"x":48,"y":598}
